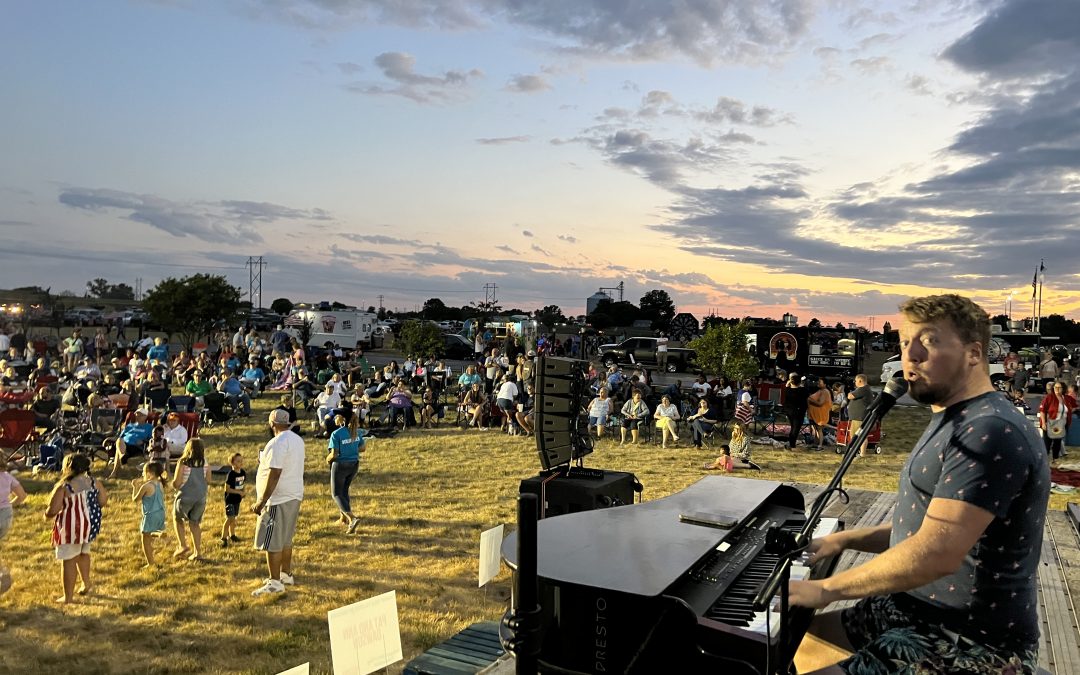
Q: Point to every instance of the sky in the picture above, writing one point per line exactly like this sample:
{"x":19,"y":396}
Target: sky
{"x":827,"y":158}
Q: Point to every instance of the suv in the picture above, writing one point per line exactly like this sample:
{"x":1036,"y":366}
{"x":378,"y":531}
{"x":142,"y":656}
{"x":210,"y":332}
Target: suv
{"x":457,"y":347}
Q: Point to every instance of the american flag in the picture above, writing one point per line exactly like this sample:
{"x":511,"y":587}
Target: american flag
{"x":72,"y":525}
{"x":295,"y":320}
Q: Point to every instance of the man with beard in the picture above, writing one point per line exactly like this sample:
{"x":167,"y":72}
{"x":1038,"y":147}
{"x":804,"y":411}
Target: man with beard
{"x":954,"y":586}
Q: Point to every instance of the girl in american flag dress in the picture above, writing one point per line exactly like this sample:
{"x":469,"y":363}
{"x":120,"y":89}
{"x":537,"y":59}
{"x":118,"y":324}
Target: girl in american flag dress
{"x":75,"y":509}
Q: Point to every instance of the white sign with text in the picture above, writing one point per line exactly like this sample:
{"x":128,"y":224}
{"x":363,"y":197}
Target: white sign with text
{"x":364,"y":636}
{"x":302,"y":669}
{"x":490,"y":543}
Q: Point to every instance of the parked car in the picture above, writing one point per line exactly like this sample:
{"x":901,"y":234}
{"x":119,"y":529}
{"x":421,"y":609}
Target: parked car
{"x":642,"y":351}
{"x":457,"y":347}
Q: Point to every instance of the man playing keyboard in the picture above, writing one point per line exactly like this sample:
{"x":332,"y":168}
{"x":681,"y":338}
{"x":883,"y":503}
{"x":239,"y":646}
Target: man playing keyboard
{"x":953,"y":589}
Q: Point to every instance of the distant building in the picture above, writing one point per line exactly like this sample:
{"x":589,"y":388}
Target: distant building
{"x":593,"y":300}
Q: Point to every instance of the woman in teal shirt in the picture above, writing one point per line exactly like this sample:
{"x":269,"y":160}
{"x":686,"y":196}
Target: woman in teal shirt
{"x":346,"y":444}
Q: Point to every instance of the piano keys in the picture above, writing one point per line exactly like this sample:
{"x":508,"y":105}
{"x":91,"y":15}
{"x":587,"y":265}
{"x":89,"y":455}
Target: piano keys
{"x":632,"y":589}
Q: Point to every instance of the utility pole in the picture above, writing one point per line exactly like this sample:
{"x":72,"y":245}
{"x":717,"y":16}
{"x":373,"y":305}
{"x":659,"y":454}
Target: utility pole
{"x":138,"y":288}
{"x":255,"y":268}
{"x":380,"y":303}
{"x":489,"y":294}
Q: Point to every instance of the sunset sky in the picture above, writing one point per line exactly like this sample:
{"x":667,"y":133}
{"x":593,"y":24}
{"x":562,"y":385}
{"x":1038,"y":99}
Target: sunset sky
{"x":823,"y":157}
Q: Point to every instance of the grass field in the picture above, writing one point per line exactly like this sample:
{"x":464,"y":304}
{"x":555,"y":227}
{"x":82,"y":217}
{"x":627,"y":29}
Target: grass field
{"x":424,"y":497}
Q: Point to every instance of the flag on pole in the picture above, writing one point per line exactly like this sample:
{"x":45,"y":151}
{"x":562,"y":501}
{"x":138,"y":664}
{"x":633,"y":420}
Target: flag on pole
{"x":1035,"y":282}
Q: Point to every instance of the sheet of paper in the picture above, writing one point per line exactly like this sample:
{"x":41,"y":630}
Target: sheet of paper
{"x":302,"y":669}
{"x":490,"y":542}
{"x":364,"y":636}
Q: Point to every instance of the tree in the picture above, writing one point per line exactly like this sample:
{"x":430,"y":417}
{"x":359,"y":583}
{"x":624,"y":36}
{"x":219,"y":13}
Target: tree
{"x":434,"y":309}
{"x":549,"y":315}
{"x":282,"y":306}
{"x":482,"y":313}
{"x":101,"y":288}
{"x":886,"y":329}
{"x":609,"y":313}
{"x":814,"y":323}
{"x":371,"y":309}
{"x":97,"y":287}
{"x":723,"y":349}
{"x":839,"y":325}
{"x":1000,"y":320}
{"x":421,"y":338}
{"x":656,"y":305}
{"x":191,"y":307}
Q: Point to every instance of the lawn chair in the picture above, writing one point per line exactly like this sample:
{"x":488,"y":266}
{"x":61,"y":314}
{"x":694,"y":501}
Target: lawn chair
{"x":182,"y":404}
{"x":764,"y":417}
{"x":50,"y":455}
{"x":16,"y":433}
{"x":216,"y":410}
{"x":157,"y":399}
{"x":50,"y":382}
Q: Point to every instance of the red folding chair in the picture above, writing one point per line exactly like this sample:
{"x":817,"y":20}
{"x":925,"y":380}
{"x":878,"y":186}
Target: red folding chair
{"x":190,"y":421}
{"x":16,"y":433}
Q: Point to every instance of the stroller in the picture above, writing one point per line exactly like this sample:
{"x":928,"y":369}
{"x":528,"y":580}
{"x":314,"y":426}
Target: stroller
{"x":216,"y":410}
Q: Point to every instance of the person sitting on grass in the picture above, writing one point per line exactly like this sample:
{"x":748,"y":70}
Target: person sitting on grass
{"x":430,"y":412}
{"x":191,"y":483}
{"x":132,"y":441}
{"x":150,"y":492}
{"x":736,"y":453}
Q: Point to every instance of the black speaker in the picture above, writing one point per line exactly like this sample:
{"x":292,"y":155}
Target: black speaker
{"x":560,"y":388}
{"x":569,"y":494}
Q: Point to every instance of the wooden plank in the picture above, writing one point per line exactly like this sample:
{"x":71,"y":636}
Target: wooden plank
{"x":1059,"y":649}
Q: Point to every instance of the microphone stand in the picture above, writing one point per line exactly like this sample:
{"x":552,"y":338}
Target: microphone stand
{"x":789,"y":546}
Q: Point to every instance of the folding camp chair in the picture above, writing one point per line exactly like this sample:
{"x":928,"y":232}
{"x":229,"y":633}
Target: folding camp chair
{"x":181,"y":404}
{"x":16,"y":433}
{"x":215,"y":410}
{"x":157,"y":399}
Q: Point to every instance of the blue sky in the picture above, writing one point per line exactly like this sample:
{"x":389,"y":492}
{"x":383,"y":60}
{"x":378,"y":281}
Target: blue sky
{"x":822,"y":157}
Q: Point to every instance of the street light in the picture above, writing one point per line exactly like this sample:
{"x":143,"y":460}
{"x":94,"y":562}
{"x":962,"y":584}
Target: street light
{"x":1008,"y":307}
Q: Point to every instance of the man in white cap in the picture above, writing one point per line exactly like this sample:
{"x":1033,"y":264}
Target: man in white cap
{"x":279,"y":487}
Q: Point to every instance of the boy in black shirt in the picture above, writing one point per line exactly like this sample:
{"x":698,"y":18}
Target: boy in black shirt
{"x":234,"y":493}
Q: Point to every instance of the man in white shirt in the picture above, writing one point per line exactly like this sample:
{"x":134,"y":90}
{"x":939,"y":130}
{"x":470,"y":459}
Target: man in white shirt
{"x":661,"y":353}
{"x":701,"y":387}
{"x":279,"y":485}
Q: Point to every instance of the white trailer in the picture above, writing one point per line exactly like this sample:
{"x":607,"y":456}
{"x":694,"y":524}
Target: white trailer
{"x":345,"y":327}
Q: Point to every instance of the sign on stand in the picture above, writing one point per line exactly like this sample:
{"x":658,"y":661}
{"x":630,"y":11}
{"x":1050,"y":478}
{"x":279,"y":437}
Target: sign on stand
{"x":364,"y":636}
{"x":490,"y":543}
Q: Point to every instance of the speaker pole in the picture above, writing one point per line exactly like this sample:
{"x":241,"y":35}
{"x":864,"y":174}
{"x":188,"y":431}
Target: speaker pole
{"x":525,"y":615}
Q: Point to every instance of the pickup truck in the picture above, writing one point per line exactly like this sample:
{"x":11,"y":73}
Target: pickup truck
{"x":642,"y":351}
{"x":894,"y":365}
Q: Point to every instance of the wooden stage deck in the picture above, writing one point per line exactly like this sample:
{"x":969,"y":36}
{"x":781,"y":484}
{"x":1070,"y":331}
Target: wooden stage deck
{"x":1059,"y":574}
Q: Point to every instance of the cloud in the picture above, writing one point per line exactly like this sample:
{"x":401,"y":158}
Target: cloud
{"x":528,"y":84}
{"x":380,"y":239}
{"x":732,"y":111}
{"x":872,"y":65}
{"x":541,"y":251}
{"x":503,"y":140}
{"x":217,"y":222}
{"x":1021,"y":38}
{"x":661,"y":161}
{"x":400,"y":69}
{"x":706,"y":31}
{"x":506,"y":249}
{"x":526,"y":233}
{"x":568,"y":238}
{"x":918,"y":84}
{"x":349,"y":68}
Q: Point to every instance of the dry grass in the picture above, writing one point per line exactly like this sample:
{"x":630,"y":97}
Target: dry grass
{"x":425,"y":496}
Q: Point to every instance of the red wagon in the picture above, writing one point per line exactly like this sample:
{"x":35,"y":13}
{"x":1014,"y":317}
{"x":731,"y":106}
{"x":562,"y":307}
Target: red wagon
{"x":872,"y":441}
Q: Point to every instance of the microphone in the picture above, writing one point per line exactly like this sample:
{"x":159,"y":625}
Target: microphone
{"x":894,"y":389}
